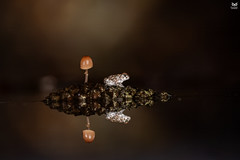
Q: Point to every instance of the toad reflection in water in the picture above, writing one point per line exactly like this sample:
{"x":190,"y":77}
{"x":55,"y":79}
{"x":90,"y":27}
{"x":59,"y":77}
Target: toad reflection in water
{"x":110,"y":99}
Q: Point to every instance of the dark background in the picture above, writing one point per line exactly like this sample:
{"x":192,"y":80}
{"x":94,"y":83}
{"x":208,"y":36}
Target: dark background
{"x":188,"y":48}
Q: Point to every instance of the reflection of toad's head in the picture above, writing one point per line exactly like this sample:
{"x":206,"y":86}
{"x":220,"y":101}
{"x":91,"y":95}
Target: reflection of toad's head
{"x":125,"y":76}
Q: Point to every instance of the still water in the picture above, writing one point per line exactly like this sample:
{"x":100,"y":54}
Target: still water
{"x":201,"y":124}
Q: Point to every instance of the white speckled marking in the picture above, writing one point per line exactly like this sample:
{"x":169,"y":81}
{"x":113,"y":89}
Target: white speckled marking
{"x":116,"y":80}
{"x":118,"y":117}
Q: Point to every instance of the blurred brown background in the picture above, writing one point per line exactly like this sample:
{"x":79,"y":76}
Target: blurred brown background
{"x":189,"y":48}
{"x":166,"y":44}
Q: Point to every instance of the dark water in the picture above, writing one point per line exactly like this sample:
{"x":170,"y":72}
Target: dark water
{"x":203,"y":124}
